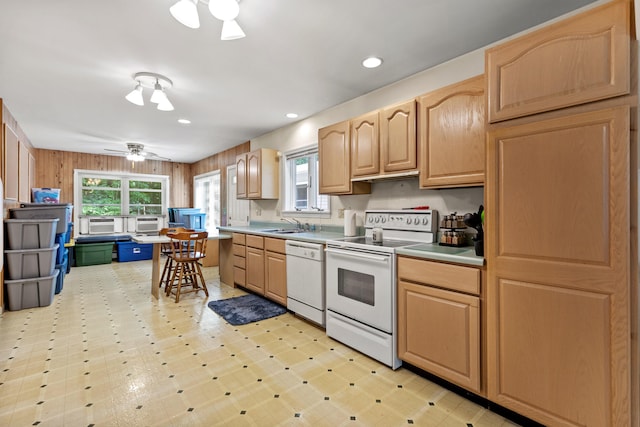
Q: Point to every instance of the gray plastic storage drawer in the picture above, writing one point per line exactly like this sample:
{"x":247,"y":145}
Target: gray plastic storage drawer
{"x":29,"y":263}
{"x":29,"y":293}
{"x":31,"y":233}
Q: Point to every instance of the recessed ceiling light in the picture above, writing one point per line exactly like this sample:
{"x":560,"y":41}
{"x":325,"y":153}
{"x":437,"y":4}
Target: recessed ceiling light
{"x":184,"y":121}
{"x":292,"y":115}
{"x":372,"y":62}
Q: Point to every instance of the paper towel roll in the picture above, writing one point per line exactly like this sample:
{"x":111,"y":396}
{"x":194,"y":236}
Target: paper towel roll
{"x":349,"y":223}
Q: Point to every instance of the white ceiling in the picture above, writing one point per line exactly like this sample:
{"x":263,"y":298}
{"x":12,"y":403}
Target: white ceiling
{"x":66,"y":65}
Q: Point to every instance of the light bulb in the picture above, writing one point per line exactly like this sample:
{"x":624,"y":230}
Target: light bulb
{"x":186,"y":12}
{"x":135,"y":96}
{"x":231,"y":30}
{"x":158,"y":94}
{"x":165,"y":105}
{"x":224,"y":10}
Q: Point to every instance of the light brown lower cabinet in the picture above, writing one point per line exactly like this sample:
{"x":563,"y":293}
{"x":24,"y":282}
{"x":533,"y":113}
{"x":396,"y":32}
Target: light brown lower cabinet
{"x":239,"y":251}
{"x":264,"y":268}
{"x":275,"y":267}
{"x":439,"y":329}
{"x":255,"y":263}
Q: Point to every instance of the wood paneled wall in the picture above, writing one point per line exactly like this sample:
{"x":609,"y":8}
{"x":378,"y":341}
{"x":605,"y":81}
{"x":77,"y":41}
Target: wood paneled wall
{"x":55,"y":169}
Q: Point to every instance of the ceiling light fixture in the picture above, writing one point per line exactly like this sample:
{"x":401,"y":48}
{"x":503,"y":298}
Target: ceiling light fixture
{"x":184,"y":121}
{"x":158,"y":83}
{"x":372,"y":62}
{"x":186,"y":12}
{"x":292,"y":115}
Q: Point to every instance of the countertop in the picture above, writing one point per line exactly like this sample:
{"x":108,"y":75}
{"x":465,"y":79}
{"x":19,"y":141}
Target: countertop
{"x":308,"y":236}
{"x":431,"y":251}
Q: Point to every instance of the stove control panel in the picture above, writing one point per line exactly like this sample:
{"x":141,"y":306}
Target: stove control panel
{"x":409,"y":220}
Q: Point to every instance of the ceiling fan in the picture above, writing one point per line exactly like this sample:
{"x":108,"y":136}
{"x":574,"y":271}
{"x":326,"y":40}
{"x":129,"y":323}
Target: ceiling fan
{"x":135,"y":152}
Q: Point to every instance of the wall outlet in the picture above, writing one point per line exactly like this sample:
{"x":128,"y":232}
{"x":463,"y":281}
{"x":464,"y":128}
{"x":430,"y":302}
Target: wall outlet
{"x":341,"y":213}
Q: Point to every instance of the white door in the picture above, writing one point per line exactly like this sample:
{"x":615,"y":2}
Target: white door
{"x":237,"y":210}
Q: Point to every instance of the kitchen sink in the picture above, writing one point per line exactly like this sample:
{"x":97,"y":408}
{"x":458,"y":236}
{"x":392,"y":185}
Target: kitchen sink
{"x":283,"y":230}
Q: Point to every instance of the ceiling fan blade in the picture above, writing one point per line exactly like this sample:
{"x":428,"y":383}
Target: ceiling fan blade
{"x":116,"y":151}
{"x":156,"y":157}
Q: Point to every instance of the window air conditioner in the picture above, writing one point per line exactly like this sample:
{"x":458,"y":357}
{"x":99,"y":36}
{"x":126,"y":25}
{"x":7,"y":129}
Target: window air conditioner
{"x":102,"y":225}
{"x":145,"y":225}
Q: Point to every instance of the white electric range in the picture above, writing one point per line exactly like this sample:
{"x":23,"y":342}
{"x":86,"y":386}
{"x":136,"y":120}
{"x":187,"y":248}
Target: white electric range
{"x":361,"y":280}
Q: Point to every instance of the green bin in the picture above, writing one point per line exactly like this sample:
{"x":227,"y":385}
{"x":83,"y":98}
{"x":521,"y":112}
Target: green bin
{"x":93,"y":253}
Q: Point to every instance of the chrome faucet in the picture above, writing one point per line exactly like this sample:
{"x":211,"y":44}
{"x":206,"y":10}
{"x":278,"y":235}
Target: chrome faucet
{"x":293,"y":221}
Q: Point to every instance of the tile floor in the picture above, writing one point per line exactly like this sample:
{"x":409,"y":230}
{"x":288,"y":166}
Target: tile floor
{"x":105,"y":353}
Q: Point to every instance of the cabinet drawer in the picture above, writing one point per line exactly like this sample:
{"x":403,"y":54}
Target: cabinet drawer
{"x":239,"y":261}
{"x":239,"y":276}
{"x":239,"y":238}
{"x":239,"y":250}
{"x":255,"y":241}
{"x":274,"y":245}
{"x":454,"y":277}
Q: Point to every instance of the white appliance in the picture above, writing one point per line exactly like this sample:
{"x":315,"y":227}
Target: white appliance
{"x":361,"y":281}
{"x":305,"y":280}
{"x":148,"y":224}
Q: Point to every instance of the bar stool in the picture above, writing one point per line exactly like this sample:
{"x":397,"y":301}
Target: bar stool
{"x":187,"y":248}
{"x":165,"y":250}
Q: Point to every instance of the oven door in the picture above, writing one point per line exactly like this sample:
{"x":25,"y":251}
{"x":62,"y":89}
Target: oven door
{"x":361,"y":285}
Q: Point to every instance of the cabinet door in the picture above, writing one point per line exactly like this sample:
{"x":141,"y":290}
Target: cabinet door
{"x":398,"y":137}
{"x":254,"y":174}
{"x":24,"y":191}
{"x":334,"y":159}
{"x":365,"y":147}
{"x":32,"y":171}
{"x":11,"y":148}
{"x":439,"y":331}
{"x":558,"y":253}
{"x":276,"y":277}
{"x":452,"y":135}
{"x":255,"y":270}
{"x":241,"y":176}
{"x":581,"y":59}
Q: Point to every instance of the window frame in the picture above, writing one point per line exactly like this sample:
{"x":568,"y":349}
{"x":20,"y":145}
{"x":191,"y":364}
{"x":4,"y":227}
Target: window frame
{"x":288,"y":186}
{"x":124,"y":177}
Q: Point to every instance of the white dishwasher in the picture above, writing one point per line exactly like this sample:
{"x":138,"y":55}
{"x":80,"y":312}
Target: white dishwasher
{"x":305,"y":280}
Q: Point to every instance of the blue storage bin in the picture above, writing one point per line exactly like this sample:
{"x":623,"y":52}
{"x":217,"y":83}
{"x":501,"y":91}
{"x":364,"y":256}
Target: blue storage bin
{"x":61,"y":239}
{"x":62,"y":270}
{"x":132,"y":251}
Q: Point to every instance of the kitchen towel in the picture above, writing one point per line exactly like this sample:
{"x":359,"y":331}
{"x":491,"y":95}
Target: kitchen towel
{"x":349,"y":223}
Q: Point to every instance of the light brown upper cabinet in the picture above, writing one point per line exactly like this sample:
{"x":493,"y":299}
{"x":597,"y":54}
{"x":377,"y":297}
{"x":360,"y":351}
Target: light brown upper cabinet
{"x":241,"y":176}
{"x":11,"y":162}
{"x":580,"y":59}
{"x":334,"y":157}
{"x":452,"y":135}
{"x":258,"y":174}
{"x":398,"y":137}
{"x":365,"y":145}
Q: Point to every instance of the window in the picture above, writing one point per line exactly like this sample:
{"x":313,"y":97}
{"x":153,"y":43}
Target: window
{"x":107,"y":194}
{"x":206,"y":196}
{"x":301,"y":183}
